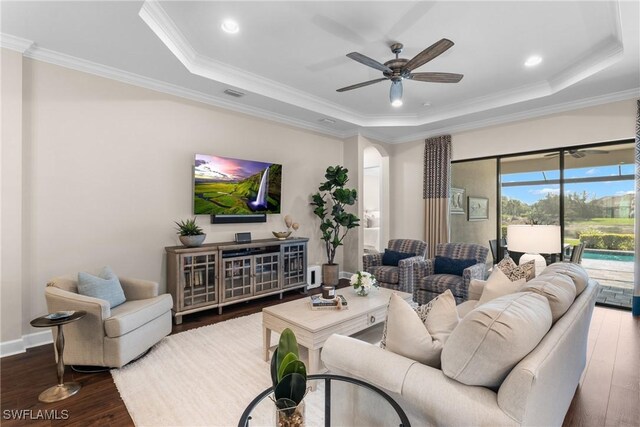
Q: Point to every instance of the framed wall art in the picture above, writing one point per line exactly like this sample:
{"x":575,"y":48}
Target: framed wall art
{"x":478,"y":208}
{"x":457,"y":201}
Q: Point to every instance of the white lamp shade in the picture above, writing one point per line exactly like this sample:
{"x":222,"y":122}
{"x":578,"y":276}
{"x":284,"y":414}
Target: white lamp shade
{"x":534,"y":239}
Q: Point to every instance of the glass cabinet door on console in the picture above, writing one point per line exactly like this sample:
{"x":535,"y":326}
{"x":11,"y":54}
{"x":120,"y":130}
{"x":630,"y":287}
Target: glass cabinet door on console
{"x":198,"y":279}
{"x":215,"y":275}
{"x":266,"y":273}
{"x":294,"y":264}
{"x":236,"y":277}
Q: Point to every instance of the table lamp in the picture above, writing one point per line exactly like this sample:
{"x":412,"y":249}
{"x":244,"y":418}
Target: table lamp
{"x":534,"y":240}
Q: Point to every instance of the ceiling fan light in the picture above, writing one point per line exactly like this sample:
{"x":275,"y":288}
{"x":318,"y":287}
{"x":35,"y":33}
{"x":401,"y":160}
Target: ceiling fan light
{"x":395,"y":93}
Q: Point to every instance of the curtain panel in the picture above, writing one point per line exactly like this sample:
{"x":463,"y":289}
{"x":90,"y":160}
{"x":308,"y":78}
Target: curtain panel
{"x":636,"y":268}
{"x":436,"y":189}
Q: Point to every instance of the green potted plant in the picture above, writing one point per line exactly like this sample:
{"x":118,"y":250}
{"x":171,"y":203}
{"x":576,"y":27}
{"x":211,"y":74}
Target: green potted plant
{"x":335,"y":222}
{"x":190,"y":233}
{"x":289,"y":377}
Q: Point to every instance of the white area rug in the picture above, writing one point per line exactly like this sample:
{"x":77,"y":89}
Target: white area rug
{"x":208,"y":376}
{"x":202,"y":377}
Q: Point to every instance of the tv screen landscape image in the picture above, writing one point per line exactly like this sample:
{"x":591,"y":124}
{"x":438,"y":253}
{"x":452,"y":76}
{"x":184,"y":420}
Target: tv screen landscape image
{"x":226,"y":186}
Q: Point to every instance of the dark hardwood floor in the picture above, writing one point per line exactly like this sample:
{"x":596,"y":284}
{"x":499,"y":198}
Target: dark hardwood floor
{"x":609,"y":393}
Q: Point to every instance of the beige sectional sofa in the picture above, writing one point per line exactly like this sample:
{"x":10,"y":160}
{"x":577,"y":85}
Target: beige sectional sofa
{"x":536,"y":392}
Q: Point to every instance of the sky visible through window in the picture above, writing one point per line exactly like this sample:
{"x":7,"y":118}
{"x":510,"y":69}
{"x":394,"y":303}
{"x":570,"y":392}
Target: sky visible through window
{"x":530,"y":194}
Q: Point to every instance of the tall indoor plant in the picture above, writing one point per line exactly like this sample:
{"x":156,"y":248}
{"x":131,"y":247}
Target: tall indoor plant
{"x":335,"y":222}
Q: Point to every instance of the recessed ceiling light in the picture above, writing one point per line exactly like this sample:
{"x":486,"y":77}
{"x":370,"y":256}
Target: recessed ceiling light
{"x":426,"y":104}
{"x":396,"y":103}
{"x":230,"y":26}
{"x":533,"y":60}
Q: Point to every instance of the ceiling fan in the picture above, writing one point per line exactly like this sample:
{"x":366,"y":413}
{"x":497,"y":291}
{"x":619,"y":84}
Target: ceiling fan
{"x":578,"y":154}
{"x":399,"y":69}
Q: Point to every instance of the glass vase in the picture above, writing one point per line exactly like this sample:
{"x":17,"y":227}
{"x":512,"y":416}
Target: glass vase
{"x":362,"y":291}
{"x":293,"y":417}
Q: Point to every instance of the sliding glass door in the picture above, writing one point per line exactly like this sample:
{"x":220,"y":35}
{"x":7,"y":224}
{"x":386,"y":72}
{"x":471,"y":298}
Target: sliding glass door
{"x":599,"y":210}
{"x":588,"y":191}
{"x":530,"y":190}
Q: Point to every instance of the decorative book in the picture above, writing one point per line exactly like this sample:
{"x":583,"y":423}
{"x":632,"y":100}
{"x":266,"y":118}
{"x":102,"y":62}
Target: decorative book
{"x":319,"y":303}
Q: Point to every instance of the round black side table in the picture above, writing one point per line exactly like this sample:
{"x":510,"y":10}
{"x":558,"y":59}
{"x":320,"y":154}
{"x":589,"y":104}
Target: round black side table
{"x":62,"y":390}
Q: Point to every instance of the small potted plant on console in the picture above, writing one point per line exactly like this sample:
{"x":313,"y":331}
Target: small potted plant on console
{"x":190,"y":233}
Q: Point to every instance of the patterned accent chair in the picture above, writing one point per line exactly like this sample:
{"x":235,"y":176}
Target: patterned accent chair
{"x":429,"y":285}
{"x":398,"y":278}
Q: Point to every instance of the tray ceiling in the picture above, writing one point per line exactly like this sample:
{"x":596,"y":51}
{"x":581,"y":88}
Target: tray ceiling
{"x":289,"y":57}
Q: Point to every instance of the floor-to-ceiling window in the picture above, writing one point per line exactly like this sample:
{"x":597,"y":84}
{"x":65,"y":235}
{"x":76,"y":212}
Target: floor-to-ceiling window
{"x":530,"y":190}
{"x":588,"y":191}
{"x":599,"y":210}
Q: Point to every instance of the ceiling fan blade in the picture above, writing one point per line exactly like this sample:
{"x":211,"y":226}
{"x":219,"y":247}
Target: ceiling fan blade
{"x":369,"y":62}
{"x":428,"y":54}
{"x":436,"y":77}
{"x":363,"y":84}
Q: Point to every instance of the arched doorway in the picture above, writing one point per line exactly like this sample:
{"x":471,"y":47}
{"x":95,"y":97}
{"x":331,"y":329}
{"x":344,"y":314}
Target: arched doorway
{"x":374,"y":200}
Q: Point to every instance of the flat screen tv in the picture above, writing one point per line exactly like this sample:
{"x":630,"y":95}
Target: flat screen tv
{"x":226,"y":186}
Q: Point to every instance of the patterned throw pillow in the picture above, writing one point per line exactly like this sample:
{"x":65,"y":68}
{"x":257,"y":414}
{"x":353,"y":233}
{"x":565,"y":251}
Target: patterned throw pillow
{"x":515,"y":272}
{"x":419,"y":333}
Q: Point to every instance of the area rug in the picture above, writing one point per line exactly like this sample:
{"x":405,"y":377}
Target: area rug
{"x":202,"y":377}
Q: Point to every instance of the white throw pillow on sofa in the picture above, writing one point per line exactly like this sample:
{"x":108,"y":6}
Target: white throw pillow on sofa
{"x":493,"y":338}
{"x":421,"y":333}
{"x":497,"y":285}
{"x":557,"y":288}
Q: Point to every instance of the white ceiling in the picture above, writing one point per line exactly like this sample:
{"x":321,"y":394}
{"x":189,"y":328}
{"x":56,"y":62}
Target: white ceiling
{"x":289,"y":57}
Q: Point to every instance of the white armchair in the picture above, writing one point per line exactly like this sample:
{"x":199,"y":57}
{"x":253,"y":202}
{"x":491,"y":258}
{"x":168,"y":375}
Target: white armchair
{"x":111,"y":337}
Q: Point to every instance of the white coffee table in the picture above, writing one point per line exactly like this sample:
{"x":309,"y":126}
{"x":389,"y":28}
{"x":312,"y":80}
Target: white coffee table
{"x":313,"y":327}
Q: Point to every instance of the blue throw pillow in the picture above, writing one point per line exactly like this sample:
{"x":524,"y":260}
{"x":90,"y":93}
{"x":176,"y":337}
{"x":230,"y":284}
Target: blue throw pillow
{"x":392,"y":258}
{"x":105,"y":286}
{"x":444,"y":265}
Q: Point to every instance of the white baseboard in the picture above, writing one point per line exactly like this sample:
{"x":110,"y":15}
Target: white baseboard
{"x":9,"y":348}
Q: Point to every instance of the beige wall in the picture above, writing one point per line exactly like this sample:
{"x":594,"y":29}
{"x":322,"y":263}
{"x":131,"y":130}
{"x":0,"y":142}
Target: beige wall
{"x":606,"y":122}
{"x":108,"y":167}
{"x":353,"y":242}
{"x":478,"y":179}
{"x":11,"y":202}
{"x":406,"y":204}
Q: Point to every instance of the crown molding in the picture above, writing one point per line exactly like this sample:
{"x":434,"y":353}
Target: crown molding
{"x":68,"y":61}
{"x":524,"y":115}
{"x":7,"y":41}
{"x":166,"y":30}
{"x":593,"y":61}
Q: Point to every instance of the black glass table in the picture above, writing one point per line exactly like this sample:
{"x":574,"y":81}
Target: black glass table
{"x":332,"y":400}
